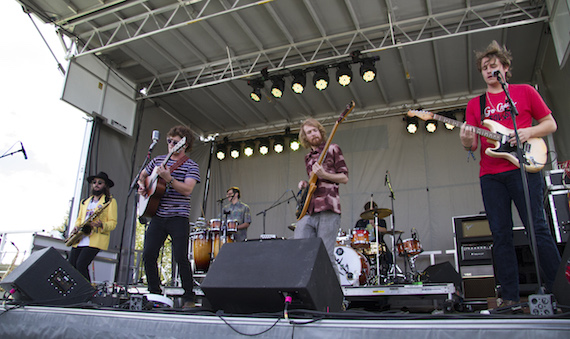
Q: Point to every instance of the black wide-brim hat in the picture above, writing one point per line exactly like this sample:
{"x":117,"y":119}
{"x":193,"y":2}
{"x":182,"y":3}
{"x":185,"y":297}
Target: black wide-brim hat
{"x":104,"y":176}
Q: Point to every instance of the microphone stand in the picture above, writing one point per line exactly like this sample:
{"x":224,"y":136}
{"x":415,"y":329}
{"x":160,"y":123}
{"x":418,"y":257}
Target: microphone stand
{"x":392,"y":198}
{"x":134,"y":187}
{"x":514,"y":114}
{"x":275,"y":204}
{"x":5,"y":155}
{"x":223,"y":223}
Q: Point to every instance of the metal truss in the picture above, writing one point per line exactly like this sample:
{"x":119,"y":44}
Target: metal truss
{"x":296,"y":54}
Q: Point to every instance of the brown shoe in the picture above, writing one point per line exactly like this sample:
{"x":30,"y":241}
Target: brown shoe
{"x":189,"y":304}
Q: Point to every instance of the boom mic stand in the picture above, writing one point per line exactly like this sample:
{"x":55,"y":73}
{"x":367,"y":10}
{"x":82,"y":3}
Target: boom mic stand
{"x":275,"y":204}
{"x":394,"y":267}
{"x":514,"y":114}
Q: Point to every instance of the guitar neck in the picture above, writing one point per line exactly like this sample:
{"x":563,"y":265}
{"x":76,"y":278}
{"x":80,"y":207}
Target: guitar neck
{"x":486,"y":133}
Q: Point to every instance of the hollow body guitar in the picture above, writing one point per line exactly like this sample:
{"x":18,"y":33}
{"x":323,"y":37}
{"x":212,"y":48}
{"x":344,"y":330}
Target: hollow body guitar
{"x":534,"y":149}
{"x":307,"y":192}
{"x":155,"y":187}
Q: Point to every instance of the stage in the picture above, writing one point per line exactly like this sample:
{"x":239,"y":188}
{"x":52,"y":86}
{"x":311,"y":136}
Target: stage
{"x":59,"y":322}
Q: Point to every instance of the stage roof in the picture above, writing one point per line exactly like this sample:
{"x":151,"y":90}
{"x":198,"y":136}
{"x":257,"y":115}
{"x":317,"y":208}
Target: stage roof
{"x":195,"y":58}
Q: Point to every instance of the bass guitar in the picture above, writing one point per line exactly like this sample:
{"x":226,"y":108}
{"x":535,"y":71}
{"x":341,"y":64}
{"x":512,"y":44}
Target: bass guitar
{"x":534,"y":150}
{"x":307,"y":192}
{"x":85,"y":228}
{"x":155,"y":187}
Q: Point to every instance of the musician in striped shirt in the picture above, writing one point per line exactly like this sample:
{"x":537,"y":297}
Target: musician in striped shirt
{"x":181,"y":175}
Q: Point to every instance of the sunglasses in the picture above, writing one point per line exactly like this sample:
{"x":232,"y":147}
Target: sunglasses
{"x":97,"y":182}
{"x":172,"y":141}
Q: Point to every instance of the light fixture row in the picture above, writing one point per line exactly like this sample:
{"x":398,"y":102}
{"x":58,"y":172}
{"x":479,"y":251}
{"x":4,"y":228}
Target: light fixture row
{"x":321,"y":77}
{"x":261,"y":146}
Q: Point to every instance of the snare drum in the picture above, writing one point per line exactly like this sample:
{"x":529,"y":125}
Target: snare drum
{"x":409,"y":247}
{"x":353,"y":267}
{"x":360,"y":239}
{"x":232,"y":225}
{"x":215,"y":225}
{"x":201,"y":250}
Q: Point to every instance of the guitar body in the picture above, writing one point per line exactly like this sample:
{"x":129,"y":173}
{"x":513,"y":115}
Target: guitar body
{"x":150,"y":200}
{"x":308,"y":191}
{"x":534,"y":149}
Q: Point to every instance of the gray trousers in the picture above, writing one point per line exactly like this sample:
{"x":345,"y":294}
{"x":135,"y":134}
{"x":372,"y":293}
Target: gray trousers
{"x":324,"y":225}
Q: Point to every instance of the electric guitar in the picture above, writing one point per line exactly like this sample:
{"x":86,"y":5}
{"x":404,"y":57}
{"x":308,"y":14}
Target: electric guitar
{"x":534,"y":150}
{"x":307,"y":192}
{"x":155,"y":187}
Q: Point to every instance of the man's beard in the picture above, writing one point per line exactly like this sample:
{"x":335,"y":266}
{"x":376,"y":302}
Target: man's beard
{"x":316,"y":141}
{"x":97,"y":192}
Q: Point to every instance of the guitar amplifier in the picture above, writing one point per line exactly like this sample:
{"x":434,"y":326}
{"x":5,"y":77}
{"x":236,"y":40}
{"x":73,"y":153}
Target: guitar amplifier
{"x":477,"y":251}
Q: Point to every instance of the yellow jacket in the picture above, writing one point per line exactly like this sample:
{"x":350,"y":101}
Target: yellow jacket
{"x":99,"y":238}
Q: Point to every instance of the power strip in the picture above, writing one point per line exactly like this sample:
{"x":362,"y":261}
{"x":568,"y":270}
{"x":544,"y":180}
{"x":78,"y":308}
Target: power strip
{"x":541,"y":304}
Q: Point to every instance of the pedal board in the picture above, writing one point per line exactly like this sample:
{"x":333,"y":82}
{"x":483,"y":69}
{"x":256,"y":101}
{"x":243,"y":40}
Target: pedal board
{"x":541,"y":304}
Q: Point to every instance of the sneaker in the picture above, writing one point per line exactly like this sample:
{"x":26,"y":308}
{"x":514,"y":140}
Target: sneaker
{"x":189,"y":304}
{"x":505,"y":303}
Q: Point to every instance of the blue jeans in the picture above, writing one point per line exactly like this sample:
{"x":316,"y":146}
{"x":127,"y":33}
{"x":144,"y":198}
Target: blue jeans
{"x":499,"y":191}
{"x":179,"y":230}
{"x":324,"y":225}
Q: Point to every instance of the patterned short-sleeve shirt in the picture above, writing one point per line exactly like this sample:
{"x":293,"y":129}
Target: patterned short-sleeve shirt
{"x":326,"y":196}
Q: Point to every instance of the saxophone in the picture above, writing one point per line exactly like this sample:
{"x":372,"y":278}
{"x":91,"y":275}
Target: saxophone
{"x":85,"y":228}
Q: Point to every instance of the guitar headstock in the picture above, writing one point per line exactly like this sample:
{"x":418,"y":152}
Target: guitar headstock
{"x":346,"y":111}
{"x":179,"y":145}
{"x":424,"y":115}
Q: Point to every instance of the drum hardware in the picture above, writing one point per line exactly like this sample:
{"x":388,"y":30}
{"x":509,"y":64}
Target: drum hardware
{"x":393,"y":232}
{"x":292,"y":227}
{"x":375,"y":212}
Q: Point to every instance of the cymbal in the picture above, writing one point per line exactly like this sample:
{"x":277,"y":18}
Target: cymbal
{"x":393,"y":232}
{"x":292,"y":227}
{"x":371,"y":213}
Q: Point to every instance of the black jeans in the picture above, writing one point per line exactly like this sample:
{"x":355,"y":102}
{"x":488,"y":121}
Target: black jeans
{"x":179,"y":230}
{"x":81,"y":257}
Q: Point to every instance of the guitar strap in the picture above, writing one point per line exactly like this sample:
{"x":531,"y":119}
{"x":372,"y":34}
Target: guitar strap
{"x":482,"y":103}
{"x":178,"y":163}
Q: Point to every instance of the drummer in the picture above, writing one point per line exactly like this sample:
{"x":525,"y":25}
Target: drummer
{"x":368,"y":224}
{"x":238,"y":211}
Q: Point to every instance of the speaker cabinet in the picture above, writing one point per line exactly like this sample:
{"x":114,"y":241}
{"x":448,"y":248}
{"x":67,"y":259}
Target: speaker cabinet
{"x":46,"y":278}
{"x":479,"y":288}
{"x":250,"y":277}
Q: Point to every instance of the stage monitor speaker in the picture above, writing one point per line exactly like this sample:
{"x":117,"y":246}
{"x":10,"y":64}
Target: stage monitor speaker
{"x":561,"y":287}
{"x":46,"y":278}
{"x":252,"y":277}
{"x":442,"y":273}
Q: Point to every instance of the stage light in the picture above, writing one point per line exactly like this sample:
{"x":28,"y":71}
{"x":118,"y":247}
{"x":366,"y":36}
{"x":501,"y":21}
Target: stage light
{"x":321,"y":79}
{"x":256,"y":85}
{"x":451,"y":116}
{"x":278,"y":145}
{"x":411,"y":124}
{"x":264,"y":146}
{"x":234,"y":151}
{"x":344,"y":74}
{"x":248,"y":149}
{"x":221,"y":152}
{"x":431,"y":126}
{"x":367,"y":70}
{"x":294,"y":144}
{"x":299,"y":81}
{"x":278,"y":86}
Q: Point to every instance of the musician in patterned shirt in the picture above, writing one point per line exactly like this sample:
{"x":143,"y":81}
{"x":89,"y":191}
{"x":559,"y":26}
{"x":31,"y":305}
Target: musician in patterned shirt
{"x":323,"y":215}
{"x":238,"y":211}
{"x":173,"y":213}
{"x":83,"y":253}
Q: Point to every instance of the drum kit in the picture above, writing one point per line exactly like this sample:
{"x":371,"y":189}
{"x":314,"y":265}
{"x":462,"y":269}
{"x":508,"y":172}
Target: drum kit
{"x":207,"y":239}
{"x":362,"y":262}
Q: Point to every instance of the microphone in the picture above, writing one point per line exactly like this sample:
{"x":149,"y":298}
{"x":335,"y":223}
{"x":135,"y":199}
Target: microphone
{"x":155,"y":137}
{"x":24,"y":151}
{"x":497,"y":74}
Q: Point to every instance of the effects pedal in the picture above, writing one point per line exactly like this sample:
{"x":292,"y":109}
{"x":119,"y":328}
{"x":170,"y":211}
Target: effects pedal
{"x":541,"y":304}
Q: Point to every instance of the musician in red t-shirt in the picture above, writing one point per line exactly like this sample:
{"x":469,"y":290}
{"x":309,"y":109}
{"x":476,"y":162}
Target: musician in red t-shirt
{"x":500,"y":179}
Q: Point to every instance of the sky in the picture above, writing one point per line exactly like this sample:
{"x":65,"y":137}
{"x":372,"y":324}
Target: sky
{"x":35,"y":192}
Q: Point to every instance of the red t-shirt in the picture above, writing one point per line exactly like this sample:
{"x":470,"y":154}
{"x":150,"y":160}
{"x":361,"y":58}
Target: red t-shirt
{"x":529,"y":105}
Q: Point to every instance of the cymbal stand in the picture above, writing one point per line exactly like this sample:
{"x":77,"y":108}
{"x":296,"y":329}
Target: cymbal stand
{"x":394,"y":269}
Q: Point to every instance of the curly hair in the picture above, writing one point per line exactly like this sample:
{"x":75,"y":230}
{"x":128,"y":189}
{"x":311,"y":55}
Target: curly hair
{"x":183,"y":131}
{"x":495,"y":51}
{"x":303,"y":137}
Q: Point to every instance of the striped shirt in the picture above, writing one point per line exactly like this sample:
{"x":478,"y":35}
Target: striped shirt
{"x":172,"y":203}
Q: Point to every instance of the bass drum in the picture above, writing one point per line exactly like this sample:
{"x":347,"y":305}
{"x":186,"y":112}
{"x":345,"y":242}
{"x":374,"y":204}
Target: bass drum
{"x":201,"y":250}
{"x":353,"y":267}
